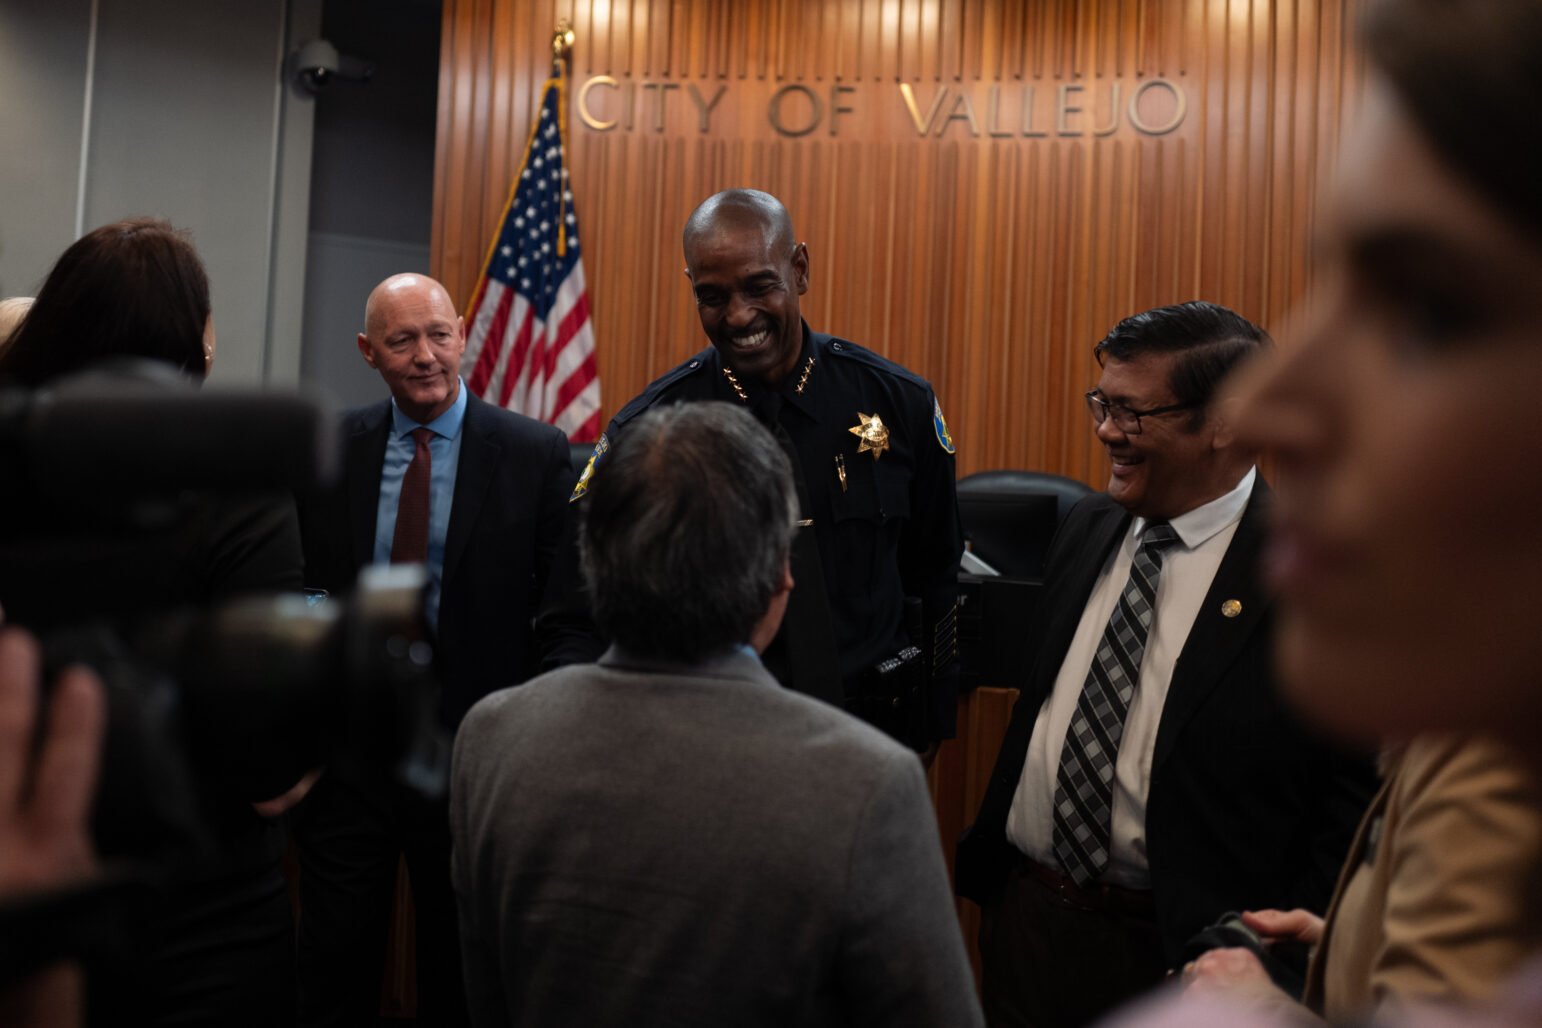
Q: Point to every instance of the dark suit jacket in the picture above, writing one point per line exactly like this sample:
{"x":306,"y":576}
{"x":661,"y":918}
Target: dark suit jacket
{"x":509,"y":504}
{"x":1246,"y":809}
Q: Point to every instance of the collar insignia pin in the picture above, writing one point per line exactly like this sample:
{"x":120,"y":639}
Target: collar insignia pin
{"x":1231,"y":608}
{"x":873,"y":433}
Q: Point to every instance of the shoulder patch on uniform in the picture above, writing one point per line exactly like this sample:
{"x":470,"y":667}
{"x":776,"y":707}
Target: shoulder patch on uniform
{"x":944,"y":437}
{"x":582,"y":488}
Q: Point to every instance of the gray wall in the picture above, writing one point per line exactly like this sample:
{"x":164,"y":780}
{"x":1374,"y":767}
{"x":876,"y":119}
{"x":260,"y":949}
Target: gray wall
{"x":372,"y":181}
{"x":42,"y":99}
{"x":110,"y":108}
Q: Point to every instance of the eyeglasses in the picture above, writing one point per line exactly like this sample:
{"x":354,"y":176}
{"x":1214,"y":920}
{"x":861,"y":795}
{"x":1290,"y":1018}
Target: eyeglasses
{"x":1127,"y":419}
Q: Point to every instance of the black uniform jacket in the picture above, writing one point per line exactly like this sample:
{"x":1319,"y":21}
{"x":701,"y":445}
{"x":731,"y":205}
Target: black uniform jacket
{"x":1246,"y":809}
{"x":886,"y":530}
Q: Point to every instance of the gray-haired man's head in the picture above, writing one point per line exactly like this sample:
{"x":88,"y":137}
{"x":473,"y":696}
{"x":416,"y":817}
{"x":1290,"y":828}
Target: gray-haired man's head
{"x":686,"y":533}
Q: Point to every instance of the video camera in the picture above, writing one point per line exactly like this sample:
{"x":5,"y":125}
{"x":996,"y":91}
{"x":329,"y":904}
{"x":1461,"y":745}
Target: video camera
{"x":1284,"y":960}
{"x":107,"y":473}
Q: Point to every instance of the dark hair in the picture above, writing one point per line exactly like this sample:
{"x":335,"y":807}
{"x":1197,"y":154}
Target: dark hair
{"x":135,"y":288}
{"x":1469,"y":74}
{"x":688,"y":525}
{"x":1209,"y":339}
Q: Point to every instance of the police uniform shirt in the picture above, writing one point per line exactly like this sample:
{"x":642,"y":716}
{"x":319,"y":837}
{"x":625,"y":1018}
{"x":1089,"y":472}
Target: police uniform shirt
{"x":884,"y":507}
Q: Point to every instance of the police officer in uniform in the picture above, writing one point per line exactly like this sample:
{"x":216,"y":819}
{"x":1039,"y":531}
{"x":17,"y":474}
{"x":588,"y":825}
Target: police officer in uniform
{"x":875,"y":470}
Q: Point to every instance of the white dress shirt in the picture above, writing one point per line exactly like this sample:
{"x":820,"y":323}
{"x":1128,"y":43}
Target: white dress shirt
{"x":1188,"y":567}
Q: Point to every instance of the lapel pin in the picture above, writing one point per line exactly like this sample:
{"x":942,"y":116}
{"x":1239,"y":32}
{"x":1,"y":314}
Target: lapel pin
{"x":1231,"y":608}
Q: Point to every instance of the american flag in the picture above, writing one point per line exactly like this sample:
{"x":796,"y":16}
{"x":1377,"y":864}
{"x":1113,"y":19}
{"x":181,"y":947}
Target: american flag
{"x":530,"y":345}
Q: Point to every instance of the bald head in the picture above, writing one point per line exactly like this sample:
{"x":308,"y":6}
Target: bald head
{"x":747,"y":272}
{"x":404,"y":288}
{"x":739,"y":210}
{"x":414,"y":338}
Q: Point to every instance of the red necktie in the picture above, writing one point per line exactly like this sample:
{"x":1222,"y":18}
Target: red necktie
{"x":410,"y":543}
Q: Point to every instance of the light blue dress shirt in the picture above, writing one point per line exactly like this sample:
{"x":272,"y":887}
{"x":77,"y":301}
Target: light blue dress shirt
{"x":444,"y":451}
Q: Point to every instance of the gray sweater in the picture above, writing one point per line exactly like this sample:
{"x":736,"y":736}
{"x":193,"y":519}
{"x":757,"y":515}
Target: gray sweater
{"x":638,"y":845}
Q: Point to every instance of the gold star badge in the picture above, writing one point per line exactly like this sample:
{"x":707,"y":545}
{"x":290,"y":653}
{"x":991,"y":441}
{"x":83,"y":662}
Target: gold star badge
{"x":873,"y":433}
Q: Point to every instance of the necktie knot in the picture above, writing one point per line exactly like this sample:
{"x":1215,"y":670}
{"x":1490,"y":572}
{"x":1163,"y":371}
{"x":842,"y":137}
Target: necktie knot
{"x":1159,"y":535}
{"x":422,"y":435}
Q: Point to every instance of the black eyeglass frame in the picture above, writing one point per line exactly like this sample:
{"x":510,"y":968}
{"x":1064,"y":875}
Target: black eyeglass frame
{"x":1101,"y":410}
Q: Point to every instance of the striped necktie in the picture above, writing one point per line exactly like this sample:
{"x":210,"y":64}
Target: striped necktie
{"x":1084,"y":787}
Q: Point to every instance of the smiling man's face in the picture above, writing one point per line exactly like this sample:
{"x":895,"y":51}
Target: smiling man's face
{"x":747,"y":280}
{"x":415,"y":340}
{"x":1169,"y":467}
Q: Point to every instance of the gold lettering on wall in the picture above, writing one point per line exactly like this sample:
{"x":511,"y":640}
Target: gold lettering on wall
{"x":836,"y":108}
{"x":1028,"y":131}
{"x":587,"y":116}
{"x":1155,"y":107}
{"x":1113,"y":116}
{"x":814,"y":115}
{"x":1064,"y":109}
{"x":704,"y":107}
{"x":1181,"y":108}
{"x":662,"y":95}
{"x":963,"y":111}
{"x":993,"y":114}
{"x":909,"y":95}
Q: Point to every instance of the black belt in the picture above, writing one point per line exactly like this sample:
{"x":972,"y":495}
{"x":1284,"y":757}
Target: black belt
{"x":1110,"y":899}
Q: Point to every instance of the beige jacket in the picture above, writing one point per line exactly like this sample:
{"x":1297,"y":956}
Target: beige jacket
{"x":1434,"y":899}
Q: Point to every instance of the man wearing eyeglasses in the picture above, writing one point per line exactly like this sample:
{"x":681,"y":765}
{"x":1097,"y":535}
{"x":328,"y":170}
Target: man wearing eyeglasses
{"x":1150,"y":780}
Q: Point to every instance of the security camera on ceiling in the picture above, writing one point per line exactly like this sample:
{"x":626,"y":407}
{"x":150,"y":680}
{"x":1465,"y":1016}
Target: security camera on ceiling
{"x":317,"y":65}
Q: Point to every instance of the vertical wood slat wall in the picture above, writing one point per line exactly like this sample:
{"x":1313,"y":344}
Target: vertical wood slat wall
{"x":989,"y":265}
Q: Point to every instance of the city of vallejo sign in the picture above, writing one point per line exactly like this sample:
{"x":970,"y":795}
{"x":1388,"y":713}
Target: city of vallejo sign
{"x":1038,"y":110}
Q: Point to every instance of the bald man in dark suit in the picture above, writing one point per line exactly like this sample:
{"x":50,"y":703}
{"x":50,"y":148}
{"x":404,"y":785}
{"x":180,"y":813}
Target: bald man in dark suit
{"x":491,"y":493}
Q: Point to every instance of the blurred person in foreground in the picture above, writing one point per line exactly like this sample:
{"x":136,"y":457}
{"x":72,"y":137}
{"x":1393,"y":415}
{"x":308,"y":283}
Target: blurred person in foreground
{"x":48,"y":771}
{"x":221,"y":948}
{"x":1425,"y":908}
{"x":669,"y":836}
{"x":1403,"y":550}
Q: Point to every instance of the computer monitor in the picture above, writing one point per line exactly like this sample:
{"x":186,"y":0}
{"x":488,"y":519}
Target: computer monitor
{"x":1010,"y":531}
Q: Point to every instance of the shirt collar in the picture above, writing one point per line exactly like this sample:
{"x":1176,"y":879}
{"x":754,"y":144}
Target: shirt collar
{"x":788,"y":389}
{"x":446,"y":425}
{"x":738,"y":661}
{"x":1207,"y":519}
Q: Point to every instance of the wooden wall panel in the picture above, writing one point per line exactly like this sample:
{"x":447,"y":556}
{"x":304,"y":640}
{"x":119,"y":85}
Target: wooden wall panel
{"x":986,"y":260}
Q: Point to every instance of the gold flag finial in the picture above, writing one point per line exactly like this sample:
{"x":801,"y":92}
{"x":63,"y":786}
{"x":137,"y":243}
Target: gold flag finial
{"x":562,"y":40}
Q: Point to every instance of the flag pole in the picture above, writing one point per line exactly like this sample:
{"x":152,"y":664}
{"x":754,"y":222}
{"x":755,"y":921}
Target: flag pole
{"x":561,"y":54}
{"x":562,"y":46}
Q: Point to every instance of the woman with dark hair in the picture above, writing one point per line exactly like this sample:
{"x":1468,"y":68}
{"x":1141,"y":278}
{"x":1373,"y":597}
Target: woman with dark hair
{"x":1405,"y":548}
{"x":135,"y":288}
{"x":219,"y":948}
